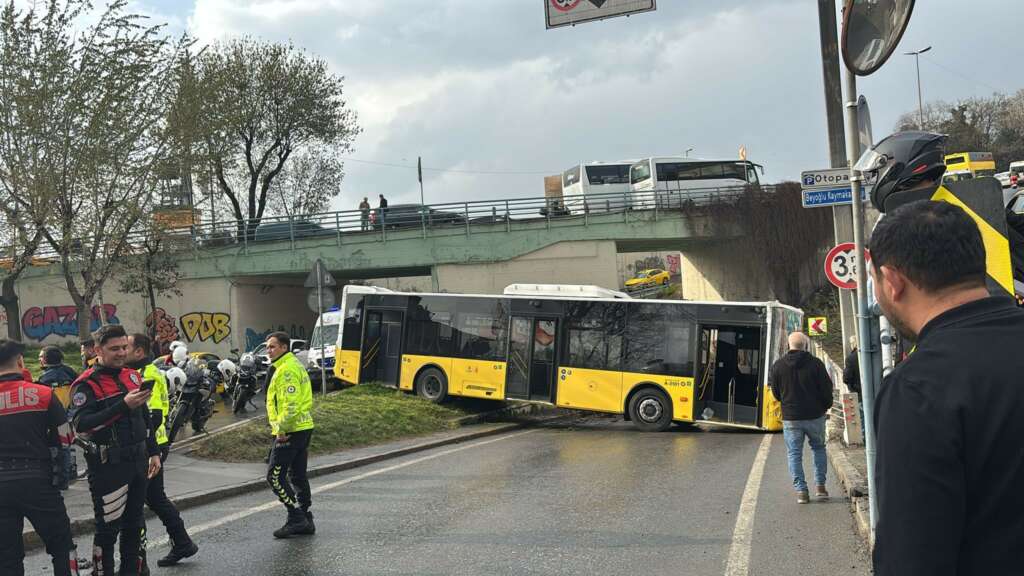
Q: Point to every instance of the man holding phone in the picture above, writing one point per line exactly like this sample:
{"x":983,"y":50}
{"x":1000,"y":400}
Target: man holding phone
{"x":108,"y":411}
{"x":182,"y":546}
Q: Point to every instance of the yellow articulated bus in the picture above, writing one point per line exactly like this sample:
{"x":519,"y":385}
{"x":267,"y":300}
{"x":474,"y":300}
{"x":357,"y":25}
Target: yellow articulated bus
{"x":966,"y":165}
{"x":575,"y":347}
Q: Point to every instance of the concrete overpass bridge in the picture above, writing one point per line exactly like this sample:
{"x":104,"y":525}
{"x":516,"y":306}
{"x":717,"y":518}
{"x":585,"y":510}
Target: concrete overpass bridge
{"x":236,"y":287}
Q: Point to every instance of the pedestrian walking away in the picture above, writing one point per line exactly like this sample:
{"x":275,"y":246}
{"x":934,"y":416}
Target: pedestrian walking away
{"x":108,"y":410}
{"x":851,"y":367}
{"x":364,"y":214}
{"x":57,"y":375}
{"x":382,"y":210}
{"x":36,"y":463}
{"x":802,"y":385}
{"x":950,"y":418}
{"x":182,"y":546}
{"x":289,"y":410}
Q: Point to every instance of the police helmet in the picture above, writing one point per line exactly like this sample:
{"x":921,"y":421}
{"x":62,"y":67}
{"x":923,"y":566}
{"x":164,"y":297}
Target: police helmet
{"x":227,"y":368}
{"x":904,"y":161}
{"x":174,"y":345}
{"x":179,"y":354}
{"x":175,"y":377}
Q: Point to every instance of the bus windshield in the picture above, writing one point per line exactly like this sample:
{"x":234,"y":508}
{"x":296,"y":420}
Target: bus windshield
{"x":608,"y":174}
{"x":640,"y":172}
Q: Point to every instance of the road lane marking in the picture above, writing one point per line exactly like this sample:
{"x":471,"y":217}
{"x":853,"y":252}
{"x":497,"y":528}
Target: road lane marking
{"x":739,"y":551}
{"x":200,"y":528}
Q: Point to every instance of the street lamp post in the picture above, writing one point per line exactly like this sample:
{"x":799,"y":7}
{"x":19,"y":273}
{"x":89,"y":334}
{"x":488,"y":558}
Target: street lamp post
{"x":917,"y":61}
{"x":687,"y":153}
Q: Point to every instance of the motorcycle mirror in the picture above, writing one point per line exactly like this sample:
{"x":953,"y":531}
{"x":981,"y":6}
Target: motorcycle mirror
{"x":871,"y":31}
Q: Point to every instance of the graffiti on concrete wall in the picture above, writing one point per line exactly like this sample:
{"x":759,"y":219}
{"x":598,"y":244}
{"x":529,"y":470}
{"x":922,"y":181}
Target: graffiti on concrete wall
{"x":673,"y":263}
{"x":648,"y":263}
{"x":254,"y":338}
{"x":206,"y":326}
{"x":38,"y":323}
{"x":164,"y":327}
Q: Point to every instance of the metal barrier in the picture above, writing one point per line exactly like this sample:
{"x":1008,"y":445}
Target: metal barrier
{"x":376,"y":225}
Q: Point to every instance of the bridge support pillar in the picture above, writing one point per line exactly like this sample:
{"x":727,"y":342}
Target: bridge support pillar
{"x":723,"y":271}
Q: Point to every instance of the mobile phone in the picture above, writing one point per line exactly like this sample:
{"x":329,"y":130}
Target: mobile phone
{"x":147,"y":384}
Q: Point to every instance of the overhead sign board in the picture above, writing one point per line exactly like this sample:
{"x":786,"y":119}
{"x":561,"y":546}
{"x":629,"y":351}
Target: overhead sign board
{"x":571,"y":12}
{"x":829,"y":187}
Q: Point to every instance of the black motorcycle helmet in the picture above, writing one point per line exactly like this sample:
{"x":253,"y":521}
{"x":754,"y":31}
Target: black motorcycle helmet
{"x":904,"y":161}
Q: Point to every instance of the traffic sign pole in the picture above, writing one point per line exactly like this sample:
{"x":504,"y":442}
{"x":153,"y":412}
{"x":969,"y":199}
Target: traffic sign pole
{"x":868,"y":340}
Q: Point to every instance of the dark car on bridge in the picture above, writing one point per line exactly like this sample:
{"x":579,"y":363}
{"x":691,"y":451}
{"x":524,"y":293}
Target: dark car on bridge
{"x":286,"y":230}
{"x":413,"y":216}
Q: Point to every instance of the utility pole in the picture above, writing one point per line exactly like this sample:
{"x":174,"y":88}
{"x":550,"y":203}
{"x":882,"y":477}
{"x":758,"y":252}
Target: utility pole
{"x":842,"y":217}
{"x":920,"y":101}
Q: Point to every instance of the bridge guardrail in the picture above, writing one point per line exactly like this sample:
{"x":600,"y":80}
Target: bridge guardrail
{"x":443,"y":218}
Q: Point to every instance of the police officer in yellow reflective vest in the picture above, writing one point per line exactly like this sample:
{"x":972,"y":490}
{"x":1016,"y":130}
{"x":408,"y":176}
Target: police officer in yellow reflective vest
{"x":139,"y":346}
{"x":289,"y":409}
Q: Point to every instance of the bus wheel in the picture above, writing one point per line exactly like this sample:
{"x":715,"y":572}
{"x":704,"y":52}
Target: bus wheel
{"x":432,"y":385}
{"x":650,"y":410}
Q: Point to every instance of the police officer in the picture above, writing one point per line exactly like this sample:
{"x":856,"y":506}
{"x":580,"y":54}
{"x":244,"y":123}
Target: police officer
{"x":35,"y":445}
{"x":289,"y":409}
{"x":182,"y":546}
{"x":108,"y":409}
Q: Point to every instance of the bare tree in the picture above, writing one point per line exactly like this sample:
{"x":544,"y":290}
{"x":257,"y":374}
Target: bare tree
{"x":84,"y":125}
{"x":151,"y":270}
{"x":307,"y":184}
{"x":260,"y":104}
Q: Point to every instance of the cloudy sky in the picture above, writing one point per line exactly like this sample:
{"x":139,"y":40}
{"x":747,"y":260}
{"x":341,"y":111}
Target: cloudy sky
{"x":492,"y":101}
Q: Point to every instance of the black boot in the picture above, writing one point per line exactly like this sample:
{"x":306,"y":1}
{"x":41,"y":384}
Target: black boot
{"x":311,"y":529}
{"x":183,"y":548}
{"x":296,"y":525}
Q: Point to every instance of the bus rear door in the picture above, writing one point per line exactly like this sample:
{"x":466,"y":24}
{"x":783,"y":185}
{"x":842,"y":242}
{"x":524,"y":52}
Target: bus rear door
{"x":532,"y":359}
{"x":730,"y":374}
{"x":382,"y":347}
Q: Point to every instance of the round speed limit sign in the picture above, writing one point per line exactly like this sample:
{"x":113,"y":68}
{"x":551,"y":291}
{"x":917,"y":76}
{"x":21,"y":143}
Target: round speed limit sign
{"x":841,"y":266}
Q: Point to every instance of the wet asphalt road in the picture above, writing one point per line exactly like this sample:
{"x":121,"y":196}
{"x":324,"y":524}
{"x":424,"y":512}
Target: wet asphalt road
{"x":594,"y":497}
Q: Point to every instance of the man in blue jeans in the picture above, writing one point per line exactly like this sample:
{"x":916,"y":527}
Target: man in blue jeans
{"x":802,"y":384}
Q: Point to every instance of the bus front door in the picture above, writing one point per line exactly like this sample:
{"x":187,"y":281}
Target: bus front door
{"x":730,"y":374}
{"x":531,"y":359}
{"x":382,"y":349}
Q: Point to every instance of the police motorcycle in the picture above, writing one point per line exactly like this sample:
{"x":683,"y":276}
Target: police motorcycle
{"x":244,"y":383}
{"x":193,"y":401}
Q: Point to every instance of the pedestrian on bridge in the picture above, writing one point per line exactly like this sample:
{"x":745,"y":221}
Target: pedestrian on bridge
{"x":382,"y":209}
{"x":289,"y":410}
{"x":949,"y":471}
{"x":364,"y":214}
{"x":802,"y":384}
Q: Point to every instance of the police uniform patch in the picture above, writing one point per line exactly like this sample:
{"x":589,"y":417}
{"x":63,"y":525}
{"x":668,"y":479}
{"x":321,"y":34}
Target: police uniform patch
{"x":134,"y":376}
{"x":291,"y":389}
{"x":78,"y":399}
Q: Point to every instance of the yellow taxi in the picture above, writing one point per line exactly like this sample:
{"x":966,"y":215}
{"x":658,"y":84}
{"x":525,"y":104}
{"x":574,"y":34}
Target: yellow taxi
{"x":648,"y":278}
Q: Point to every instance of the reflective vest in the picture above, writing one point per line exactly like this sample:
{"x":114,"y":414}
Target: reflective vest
{"x":289,"y":397}
{"x":158,"y":400}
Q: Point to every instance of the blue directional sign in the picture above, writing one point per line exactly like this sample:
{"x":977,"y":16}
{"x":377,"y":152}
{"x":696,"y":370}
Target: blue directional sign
{"x":829,"y":187}
{"x":830,"y":197}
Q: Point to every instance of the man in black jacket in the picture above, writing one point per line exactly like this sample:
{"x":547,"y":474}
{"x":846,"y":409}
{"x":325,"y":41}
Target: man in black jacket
{"x":950,"y":418}
{"x":851,"y":368}
{"x":55,"y":371}
{"x":802,"y":384}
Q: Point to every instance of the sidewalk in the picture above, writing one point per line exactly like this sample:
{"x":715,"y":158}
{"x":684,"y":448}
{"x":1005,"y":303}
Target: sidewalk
{"x":851,"y":467}
{"x":193,"y":482}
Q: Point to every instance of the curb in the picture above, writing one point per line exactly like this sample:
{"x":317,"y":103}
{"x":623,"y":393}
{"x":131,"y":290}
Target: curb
{"x":856,"y":489}
{"x":853,"y":482}
{"x":85,"y":524}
